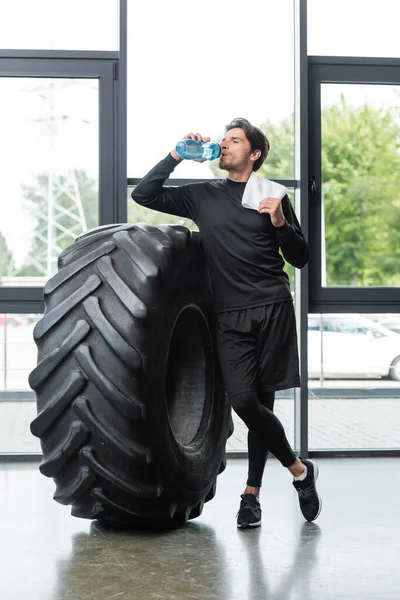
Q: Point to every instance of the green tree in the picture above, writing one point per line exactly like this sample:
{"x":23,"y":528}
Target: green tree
{"x":69,"y":192}
{"x":361,"y":194}
{"x":280,"y":160}
{"x":361,"y":190}
{"x":6,"y":258}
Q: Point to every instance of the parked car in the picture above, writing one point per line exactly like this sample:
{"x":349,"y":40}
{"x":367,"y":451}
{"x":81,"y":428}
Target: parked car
{"x":9,"y":319}
{"x":351,"y":346}
{"x":389,"y":320}
{"x":392,"y":324}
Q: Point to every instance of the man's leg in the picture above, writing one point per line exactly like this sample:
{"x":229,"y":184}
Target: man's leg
{"x":268,"y":430}
{"x":257,"y":451}
{"x":254,"y":343}
{"x":268,"y":434}
{"x":264,"y":425}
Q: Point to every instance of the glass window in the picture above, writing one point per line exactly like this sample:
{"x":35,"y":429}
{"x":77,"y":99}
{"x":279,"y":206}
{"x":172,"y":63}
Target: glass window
{"x":314,"y":324}
{"x":360,"y":155}
{"x":140,"y":214}
{"x":60,"y":25}
{"x":356,"y":28}
{"x":18,"y":357}
{"x":184,"y":78}
{"x":354,"y":382}
{"x":49,"y":150}
{"x":284,"y":410}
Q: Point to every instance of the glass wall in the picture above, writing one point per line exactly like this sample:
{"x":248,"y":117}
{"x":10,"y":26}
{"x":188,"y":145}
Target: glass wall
{"x":354,"y":381}
{"x":59,"y":24}
{"x":199,"y":72}
{"x":18,"y":357}
{"x":199,"y":84}
{"x":181,"y":81}
{"x":354,"y":359}
{"x":360,"y":152}
{"x":356,"y":28}
{"x":50,"y":144}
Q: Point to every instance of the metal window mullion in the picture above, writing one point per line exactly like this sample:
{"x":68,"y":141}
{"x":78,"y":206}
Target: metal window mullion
{"x":301,"y":170}
{"x":107,"y":146}
{"x":132,"y":181}
{"x":121,"y":125}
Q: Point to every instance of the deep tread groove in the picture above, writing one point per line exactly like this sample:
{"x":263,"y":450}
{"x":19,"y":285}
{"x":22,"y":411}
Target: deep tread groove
{"x":161,"y":241}
{"x":197,"y":510}
{"x":129,"y":356}
{"x":102,"y":231}
{"x":128,"y":298}
{"x":69,"y":254}
{"x":74,"y":441}
{"x":70,"y":493}
{"x":211,"y":492}
{"x":56,"y":405}
{"x":64,"y":307}
{"x":157,"y":515}
{"x":143,"y":490}
{"x":222,"y":466}
{"x":78,"y":265}
{"x":52,"y":360}
{"x":127,"y":407}
{"x":179,"y":234}
{"x":231,"y":427}
{"x":143,"y":262}
{"x":131,"y":450}
{"x":89,"y":508}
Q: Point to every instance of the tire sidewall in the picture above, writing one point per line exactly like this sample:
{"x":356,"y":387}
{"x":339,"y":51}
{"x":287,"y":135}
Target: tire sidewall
{"x":186,"y":470}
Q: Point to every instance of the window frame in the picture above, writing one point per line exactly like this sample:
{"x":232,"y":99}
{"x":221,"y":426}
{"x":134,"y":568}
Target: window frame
{"x":349,"y":70}
{"x":86,"y":65}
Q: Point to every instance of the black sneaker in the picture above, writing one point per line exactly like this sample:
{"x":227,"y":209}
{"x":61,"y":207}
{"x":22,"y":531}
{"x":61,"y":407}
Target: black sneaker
{"x":310,"y":502}
{"x":249,"y":514}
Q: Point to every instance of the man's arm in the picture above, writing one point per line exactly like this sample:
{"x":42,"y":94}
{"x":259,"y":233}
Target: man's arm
{"x":151,"y":192}
{"x":292,"y":242}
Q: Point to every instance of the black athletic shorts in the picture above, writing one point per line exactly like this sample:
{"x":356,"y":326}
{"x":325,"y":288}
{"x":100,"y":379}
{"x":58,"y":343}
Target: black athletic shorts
{"x":257,"y":348}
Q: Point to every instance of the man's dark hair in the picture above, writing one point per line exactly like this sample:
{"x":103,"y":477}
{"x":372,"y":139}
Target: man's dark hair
{"x":258,"y":140}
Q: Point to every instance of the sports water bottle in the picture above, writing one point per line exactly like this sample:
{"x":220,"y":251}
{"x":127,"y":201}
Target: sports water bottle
{"x":192,"y":149}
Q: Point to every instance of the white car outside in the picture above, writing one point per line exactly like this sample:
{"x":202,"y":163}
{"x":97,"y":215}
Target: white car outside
{"x":351,"y":346}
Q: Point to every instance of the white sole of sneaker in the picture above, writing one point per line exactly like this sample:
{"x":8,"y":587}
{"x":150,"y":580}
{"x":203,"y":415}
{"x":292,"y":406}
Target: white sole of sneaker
{"x":248,"y":525}
{"x":316,"y":473}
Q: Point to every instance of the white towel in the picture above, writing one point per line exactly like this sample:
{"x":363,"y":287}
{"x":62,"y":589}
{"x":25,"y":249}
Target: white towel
{"x":258,"y":188}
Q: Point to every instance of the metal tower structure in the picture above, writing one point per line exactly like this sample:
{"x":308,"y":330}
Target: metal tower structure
{"x":63,"y":219}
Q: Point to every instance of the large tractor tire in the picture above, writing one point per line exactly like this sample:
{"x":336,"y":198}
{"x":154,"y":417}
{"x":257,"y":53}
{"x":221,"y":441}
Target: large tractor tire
{"x":132,"y":415}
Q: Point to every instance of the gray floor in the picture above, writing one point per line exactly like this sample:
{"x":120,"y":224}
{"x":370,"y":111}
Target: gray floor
{"x":351,"y":552}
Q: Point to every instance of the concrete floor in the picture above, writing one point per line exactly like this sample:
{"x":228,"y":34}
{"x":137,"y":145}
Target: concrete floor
{"x":352,"y":552}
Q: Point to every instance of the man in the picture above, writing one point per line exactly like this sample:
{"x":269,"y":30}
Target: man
{"x":256,"y":331}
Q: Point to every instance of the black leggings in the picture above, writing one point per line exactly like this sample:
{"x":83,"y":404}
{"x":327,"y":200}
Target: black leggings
{"x":266,"y":433}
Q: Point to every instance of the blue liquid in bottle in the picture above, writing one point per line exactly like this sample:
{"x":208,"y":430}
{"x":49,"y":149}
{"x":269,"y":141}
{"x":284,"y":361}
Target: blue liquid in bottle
{"x":192,"y":149}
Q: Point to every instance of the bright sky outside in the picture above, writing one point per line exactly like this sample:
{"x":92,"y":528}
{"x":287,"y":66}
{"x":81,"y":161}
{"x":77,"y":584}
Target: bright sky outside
{"x":191,"y":66}
{"x":201,"y":66}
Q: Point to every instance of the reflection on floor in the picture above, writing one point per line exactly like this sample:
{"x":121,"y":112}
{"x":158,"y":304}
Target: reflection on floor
{"x":351,"y":552}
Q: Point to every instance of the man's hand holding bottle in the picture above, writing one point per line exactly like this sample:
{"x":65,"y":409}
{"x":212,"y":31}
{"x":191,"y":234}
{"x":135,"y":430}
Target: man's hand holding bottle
{"x":193,"y":146}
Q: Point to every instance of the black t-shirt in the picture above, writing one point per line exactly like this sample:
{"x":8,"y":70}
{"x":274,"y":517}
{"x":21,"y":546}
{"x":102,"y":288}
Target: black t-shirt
{"x":240,"y":244}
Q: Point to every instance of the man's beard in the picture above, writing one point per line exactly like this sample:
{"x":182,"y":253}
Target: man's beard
{"x":221,"y":164}
{"x":226,"y":164}
{"x":234,"y":163}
